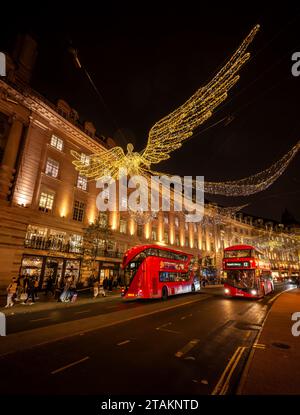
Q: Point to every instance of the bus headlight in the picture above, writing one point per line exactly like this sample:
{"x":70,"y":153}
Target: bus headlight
{"x":253,"y":292}
{"x":226,"y":291}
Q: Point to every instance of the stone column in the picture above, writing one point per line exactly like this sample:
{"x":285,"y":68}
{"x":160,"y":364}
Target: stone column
{"x":7,"y":168}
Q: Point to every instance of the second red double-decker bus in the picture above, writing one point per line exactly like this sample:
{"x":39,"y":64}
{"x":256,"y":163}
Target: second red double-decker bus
{"x":153,"y":271}
{"x":247,"y":273}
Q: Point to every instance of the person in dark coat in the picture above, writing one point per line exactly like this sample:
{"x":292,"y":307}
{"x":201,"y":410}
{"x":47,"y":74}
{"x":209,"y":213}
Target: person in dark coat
{"x":110,"y":282}
{"x":49,"y":286}
{"x":30,"y":289}
{"x":105,"y":283}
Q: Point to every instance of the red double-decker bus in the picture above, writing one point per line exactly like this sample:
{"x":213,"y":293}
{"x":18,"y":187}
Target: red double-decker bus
{"x":153,"y":271}
{"x":247,"y":273}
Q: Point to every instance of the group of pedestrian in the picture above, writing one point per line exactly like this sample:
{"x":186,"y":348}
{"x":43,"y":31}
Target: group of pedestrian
{"x":24,"y":289}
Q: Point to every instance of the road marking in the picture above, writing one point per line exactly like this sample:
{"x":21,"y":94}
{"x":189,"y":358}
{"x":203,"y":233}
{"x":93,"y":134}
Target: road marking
{"x":163,"y":325}
{"x":183,"y":318}
{"x":259,"y":346}
{"x":187,"y":348}
{"x":41,"y":319}
{"x":223,"y":384}
{"x":69,"y":365}
{"x":81,"y":312}
{"x":124,"y":342}
{"x":163,"y":328}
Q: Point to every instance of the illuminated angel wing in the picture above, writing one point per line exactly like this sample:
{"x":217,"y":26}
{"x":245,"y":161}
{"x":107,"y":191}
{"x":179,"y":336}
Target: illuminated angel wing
{"x":104,"y":163}
{"x":169,"y":133}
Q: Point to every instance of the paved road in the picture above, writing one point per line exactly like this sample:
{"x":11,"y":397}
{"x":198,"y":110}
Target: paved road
{"x":180,"y":350}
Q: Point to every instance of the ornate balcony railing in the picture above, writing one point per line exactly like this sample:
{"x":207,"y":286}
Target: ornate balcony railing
{"x":49,"y":244}
{"x":57,"y":245}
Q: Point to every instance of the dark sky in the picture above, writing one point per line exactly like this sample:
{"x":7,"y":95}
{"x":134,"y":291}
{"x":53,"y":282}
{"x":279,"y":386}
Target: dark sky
{"x":145,"y":65}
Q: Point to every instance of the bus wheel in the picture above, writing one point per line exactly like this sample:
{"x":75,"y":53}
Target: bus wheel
{"x":193,"y":288}
{"x":164,"y":295}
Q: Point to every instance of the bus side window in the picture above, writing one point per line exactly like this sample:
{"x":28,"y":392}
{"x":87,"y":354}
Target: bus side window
{"x":163,"y":277}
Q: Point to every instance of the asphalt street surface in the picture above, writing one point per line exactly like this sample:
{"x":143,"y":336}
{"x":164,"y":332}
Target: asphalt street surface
{"x":182,"y":350}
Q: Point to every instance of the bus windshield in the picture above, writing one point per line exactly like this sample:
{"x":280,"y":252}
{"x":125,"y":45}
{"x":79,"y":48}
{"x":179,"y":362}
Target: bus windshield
{"x":132,"y":267}
{"x":238,"y":253}
{"x":242,"y":279}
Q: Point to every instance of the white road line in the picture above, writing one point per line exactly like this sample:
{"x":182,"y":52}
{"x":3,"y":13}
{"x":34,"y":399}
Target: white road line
{"x":163,"y":328}
{"x":69,"y":365}
{"x":81,"y":312}
{"x":124,"y":342}
{"x":187,"y":348}
{"x":170,"y":331}
{"x":163,"y":325}
{"x":41,"y":319}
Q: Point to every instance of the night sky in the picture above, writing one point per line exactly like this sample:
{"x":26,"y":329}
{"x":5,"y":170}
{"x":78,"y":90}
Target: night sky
{"x":145,"y":65}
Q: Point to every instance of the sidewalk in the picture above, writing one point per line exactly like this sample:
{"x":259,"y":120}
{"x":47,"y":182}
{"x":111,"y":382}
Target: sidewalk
{"x":274,"y":364}
{"x":49,"y":303}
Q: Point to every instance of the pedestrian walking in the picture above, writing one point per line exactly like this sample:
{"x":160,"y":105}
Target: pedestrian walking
{"x":105,"y":283}
{"x":31,"y":289}
{"x":11,"y":292}
{"x":95,"y":289}
{"x":49,"y":286}
{"x":110,"y":282}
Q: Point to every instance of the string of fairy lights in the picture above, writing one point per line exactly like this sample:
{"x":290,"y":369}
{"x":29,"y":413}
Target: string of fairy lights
{"x":170,"y":132}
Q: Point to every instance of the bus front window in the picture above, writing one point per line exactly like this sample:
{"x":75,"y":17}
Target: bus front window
{"x":242,"y":279}
{"x":132,"y":268}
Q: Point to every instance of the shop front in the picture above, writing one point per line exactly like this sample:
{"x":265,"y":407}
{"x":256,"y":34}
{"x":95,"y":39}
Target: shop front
{"x":109,"y":270}
{"x":43,"y":267}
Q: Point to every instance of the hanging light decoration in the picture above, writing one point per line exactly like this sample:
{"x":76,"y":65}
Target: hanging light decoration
{"x":170,"y":132}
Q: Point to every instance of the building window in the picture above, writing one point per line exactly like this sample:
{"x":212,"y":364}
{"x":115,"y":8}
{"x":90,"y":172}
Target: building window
{"x":124,"y":202}
{"x":154,"y":234}
{"x":204,"y":245}
{"x":46,"y":202}
{"x":176,"y":221}
{"x":140,"y":231}
{"x":166,"y":219}
{"x":186,"y":241}
{"x":123,"y":226}
{"x":57,"y":142}
{"x":177,"y":242}
{"x":166,"y":237}
{"x":186,"y":225}
{"x":196,"y":243}
{"x":85,"y":159}
{"x":52,"y":168}
{"x":82,"y":182}
{"x":78,"y":211}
